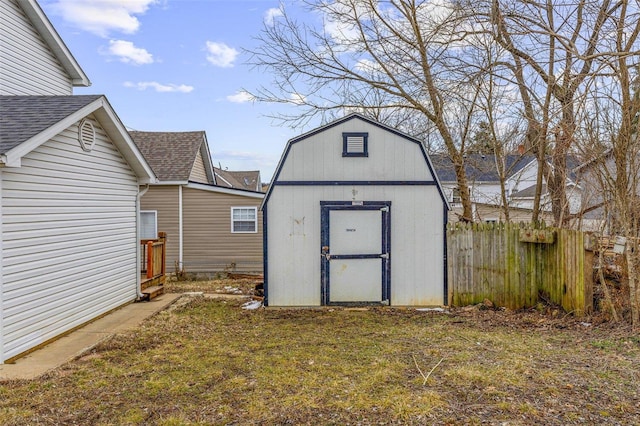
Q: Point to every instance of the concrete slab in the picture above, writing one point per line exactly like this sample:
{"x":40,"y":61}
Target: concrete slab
{"x":73,"y":345}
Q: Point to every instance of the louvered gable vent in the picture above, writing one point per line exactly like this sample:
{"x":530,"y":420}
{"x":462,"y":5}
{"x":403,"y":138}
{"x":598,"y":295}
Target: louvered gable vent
{"x":355,"y":144}
{"x":86,"y":135}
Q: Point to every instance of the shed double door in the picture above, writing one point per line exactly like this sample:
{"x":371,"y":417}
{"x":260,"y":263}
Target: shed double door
{"x":356,"y":258}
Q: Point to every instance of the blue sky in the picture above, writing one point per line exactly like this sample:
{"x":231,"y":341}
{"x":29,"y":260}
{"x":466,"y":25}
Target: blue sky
{"x":178,"y":65}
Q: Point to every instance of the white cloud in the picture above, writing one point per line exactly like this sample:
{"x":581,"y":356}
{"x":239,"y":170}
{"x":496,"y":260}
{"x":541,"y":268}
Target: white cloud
{"x":128,"y":53}
{"x":297,"y":99}
{"x":158,"y":87}
{"x":271,"y":14}
{"x":221,"y":55}
{"x":101,"y":17}
{"x":240,"y":97}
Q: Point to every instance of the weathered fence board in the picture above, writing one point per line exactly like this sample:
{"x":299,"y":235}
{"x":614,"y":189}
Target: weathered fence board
{"x":512,"y":264}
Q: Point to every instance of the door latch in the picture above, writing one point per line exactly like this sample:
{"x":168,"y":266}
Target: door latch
{"x":325,"y":252}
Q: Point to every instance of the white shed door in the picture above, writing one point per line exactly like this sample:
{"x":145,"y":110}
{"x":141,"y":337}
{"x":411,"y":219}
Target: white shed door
{"x":356,"y":233}
{"x":355,"y":253}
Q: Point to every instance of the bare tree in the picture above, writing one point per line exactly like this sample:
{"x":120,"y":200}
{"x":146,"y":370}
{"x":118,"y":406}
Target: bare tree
{"x":405,"y":56}
{"x":612,"y":122}
{"x":556,"y":47}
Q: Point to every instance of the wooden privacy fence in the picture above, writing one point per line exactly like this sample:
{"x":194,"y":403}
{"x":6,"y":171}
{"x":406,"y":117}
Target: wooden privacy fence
{"x":512,"y":264}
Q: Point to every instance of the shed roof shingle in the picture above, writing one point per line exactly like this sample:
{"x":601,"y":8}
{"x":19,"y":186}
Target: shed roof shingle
{"x":170,"y":154}
{"x":23,"y":117}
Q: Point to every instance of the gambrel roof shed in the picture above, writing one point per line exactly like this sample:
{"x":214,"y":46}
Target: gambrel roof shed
{"x":355,"y":214}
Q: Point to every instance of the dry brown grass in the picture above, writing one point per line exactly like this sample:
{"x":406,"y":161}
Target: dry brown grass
{"x":211,"y":362}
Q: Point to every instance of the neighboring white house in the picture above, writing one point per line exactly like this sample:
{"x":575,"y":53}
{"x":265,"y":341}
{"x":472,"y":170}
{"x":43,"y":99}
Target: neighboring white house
{"x":69,"y":190}
{"x":520,"y":173}
{"x":355,"y":215}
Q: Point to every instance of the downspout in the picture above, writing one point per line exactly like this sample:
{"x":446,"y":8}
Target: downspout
{"x":180,"y":267}
{"x":141,"y":192}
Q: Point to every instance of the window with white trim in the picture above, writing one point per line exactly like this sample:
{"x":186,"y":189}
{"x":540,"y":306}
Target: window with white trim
{"x":355,"y":144}
{"x":244,"y":220}
{"x":148,"y":224}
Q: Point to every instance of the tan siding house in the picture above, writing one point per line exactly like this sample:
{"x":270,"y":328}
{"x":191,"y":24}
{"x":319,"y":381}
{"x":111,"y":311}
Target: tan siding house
{"x":163,"y":201}
{"x":211,"y":224}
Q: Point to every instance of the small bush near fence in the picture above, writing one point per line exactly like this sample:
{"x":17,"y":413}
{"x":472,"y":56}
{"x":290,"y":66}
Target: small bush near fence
{"x":517,"y":265}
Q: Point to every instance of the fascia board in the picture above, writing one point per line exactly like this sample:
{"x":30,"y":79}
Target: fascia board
{"x":222,"y":190}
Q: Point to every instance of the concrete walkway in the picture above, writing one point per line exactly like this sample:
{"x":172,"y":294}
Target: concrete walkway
{"x":76,"y":343}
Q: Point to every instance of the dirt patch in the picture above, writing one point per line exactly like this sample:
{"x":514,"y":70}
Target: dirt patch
{"x":245,"y":286}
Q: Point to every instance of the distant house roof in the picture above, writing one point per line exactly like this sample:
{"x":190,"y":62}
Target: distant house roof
{"x":172,"y":154}
{"x":529,"y":192}
{"x":482,"y":168}
{"x":478,"y":167}
{"x":249,"y":180}
{"x":53,"y":39}
{"x":27,"y":122}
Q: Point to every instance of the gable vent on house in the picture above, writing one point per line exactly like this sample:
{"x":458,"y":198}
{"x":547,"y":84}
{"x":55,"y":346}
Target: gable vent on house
{"x":86,"y":135}
{"x":355,"y":144}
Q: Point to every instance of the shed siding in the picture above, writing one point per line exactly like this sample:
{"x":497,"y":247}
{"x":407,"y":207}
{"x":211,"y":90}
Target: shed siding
{"x":28,"y":65}
{"x":164,"y":200}
{"x":209,"y":244}
{"x":69,"y":239}
{"x":321,"y":159}
{"x":417,"y":235}
{"x":198,"y":172}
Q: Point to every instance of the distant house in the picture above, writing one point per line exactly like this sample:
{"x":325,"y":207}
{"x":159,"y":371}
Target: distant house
{"x":249,"y":180}
{"x":355,"y":215}
{"x":520,"y":172}
{"x":69,"y":180}
{"x":597,"y":177}
{"x":211,"y":219}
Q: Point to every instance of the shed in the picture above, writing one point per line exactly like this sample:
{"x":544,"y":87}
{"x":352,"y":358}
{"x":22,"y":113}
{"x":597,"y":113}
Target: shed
{"x":355,"y":214}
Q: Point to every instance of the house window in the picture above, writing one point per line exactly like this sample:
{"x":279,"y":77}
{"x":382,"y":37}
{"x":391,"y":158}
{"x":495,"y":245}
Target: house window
{"x":456,"y":199}
{"x":355,"y":144}
{"x":244,"y":219}
{"x":148,"y":224}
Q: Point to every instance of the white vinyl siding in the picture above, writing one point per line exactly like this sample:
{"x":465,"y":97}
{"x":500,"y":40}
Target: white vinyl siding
{"x":69,"y":239}
{"x":28,"y":67}
{"x":244,"y":220}
{"x":417,"y":242}
{"x":322,"y":159}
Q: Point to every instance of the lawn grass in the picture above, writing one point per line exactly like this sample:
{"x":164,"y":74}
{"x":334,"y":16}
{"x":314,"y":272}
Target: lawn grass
{"x":211,"y":362}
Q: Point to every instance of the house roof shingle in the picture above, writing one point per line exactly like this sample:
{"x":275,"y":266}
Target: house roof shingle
{"x":249,"y":180}
{"x":478,"y":167}
{"x":170,"y":154}
{"x":482,"y":168}
{"x":23,"y":117}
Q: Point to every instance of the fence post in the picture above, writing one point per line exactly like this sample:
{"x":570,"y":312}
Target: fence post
{"x":149,"y":259}
{"x":162,"y":236}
